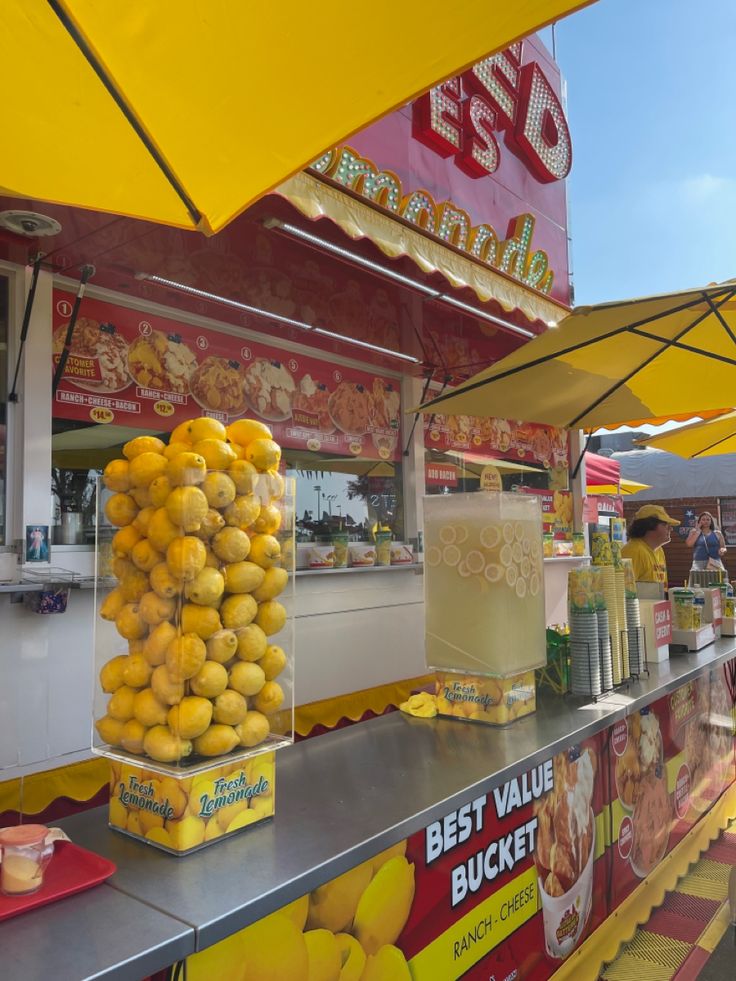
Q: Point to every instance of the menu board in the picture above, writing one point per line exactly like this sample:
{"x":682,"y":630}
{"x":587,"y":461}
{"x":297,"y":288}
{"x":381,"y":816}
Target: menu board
{"x":151,"y":372}
{"x":497,"y":438}
{"x":669,"y":764}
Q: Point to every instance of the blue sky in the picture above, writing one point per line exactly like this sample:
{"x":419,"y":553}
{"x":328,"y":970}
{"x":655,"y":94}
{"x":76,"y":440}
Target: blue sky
{"x":651,"y":98}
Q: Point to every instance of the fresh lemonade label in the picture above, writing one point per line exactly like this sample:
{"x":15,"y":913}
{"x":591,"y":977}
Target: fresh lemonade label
{"x":143,"y":796}
{"x":232,"y":791}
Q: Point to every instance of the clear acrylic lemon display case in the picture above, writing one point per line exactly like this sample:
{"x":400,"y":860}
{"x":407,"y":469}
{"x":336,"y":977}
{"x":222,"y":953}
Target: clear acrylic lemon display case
{"x":194,"y":653}
{"x":484,"y":602}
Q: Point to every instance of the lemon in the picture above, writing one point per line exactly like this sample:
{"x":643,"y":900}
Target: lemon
{"x":167,"y":689}
{"x":244,"y":431}
{"x":142,"y":444}
{"x":265,"y":551}
{"x":219,"y":489}
{"x":147,"y":709}
{"x":161,"y":529}
{"x":186,"y":507}
{"x":225,"y":815}
{"x":231,"y":545}
{"x":221,"y":646}
{"x":385,"y":905}
{"x":141,"y":496}
{"x":173,"y":791}
{"x":238,"y":611}
{"x":158,"y":640}
{"x":212,"y":522}
{"x":200,"y":620}
{"x":211,"y":561}
{"x":352,"y":957}
{"x":159,"y":490}
{"x":253,"y":729}
{"x":136,"y":646}
{"x":161,"y":836}
{"x":122,"y":567}
{"x":131,"y":736}
{"x":130,"y":624}
{"x":111,"y":673}
{"x":176,"y":447}
{"x":120,"y":705}
{"x":186,"y":469}
{"x":133,"y":585}
{"x":185,"y":655}
{"x":120,"y":509}
{"x":264,"y":454}
{"x":118,"y":813}
{"x":153,"y":609}
{"x":382,"y":857}
{"x":210,"y":681}
{"x":163,"y":583}
{"x":324,"y":955}
{"x":112,"y":604}
{"x":270,"y":698}
{"x":186,"y":557}
{"x":145,"y":467}
{"x":297,"y":911}
{"x":206,"y":588}
{"x":149,"y":820}
{"x":216,"y":741}
{"x":180,"y":433}
{"x":271,"y":616}
{"x":231,"y":708}
{"x":190,"y":717}
{"x":246,"y":678}
{"x":116,"y":477}
{"x":217,"y":453}
{"x":244,"y":475}
{"x":243,"y":511}
{"x":206,"y":428}
{"x":213,"y":829}
{"x":136,"y":671}
{"x":275,"y":485}
{"x":124,"y":539}
{"x":274,"y":583}
{"x":109,"y":730}
{"x":143,"y":518}
{"x":273,"y":662}
{"x":242,"y":577}
{"x":144,"y":556}
{"x":252,"y":643}
{"x":268,"y":521}
{"x":237,"y":449}
{"x":162,"y":745}
{"x":274,"y":949}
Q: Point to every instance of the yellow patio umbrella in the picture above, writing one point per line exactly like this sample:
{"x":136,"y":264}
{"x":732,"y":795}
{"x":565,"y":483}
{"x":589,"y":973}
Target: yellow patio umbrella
{"x":661,"y":356}
{"x":185,"y":112}
{"x":624,"y":486}
{"x":709,"y":438}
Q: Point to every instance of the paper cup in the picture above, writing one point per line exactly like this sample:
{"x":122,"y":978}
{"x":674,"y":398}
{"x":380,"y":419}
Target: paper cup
{"x":565,"y":917}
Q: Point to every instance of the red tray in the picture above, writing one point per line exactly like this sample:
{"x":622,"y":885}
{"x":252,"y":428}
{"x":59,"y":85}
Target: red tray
{"x":72,"y":869}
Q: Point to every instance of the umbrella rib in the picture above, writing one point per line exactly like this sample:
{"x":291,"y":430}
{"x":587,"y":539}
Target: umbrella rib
{"x":119,"y":100}
{"x":652,"y":357}
{"x":712,"y":445}
{"x":566,"y":350}
{"x":719,"y":317}
{"x":684,"y":347}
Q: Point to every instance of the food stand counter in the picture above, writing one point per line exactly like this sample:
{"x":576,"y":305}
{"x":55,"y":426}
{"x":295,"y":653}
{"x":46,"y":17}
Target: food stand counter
{"x":342,"y":799}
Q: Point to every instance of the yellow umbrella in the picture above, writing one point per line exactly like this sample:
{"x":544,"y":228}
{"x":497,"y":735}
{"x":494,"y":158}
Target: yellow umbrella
{"x":636,"y":359}
{"x":185,"y":112}
{"x":708,"y":438}
{"x":624,"y":487}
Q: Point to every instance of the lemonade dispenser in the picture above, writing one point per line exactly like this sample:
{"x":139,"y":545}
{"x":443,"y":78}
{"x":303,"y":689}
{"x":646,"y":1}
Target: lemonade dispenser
{"x":484,"y":602}
{"x":193,"y":632}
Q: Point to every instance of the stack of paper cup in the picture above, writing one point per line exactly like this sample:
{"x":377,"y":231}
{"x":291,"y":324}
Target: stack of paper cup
{"x":621,"y":615}
{"x":604,"y":646}
{"x":636,"y":644}
{"x":585,"y":662}
{"x":608,"y":584}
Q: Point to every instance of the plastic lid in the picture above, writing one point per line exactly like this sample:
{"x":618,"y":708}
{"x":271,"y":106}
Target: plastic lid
{"x":24,"y":834}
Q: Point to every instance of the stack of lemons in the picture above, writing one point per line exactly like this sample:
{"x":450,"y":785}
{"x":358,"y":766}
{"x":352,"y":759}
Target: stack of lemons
{"x":199,"y":571}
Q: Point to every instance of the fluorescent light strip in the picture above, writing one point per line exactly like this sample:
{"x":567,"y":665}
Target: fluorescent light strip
{"x":397,"y":277}
{"x":204,"y":295}
{"x":365,"y":344}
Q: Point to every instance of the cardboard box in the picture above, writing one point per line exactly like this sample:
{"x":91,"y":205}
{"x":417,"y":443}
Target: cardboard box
{"x":480,"y":698}
{"x":181,"y":814}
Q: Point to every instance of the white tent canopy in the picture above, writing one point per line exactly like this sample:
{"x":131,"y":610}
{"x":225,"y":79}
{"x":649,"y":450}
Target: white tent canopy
{"x":673,"y":478}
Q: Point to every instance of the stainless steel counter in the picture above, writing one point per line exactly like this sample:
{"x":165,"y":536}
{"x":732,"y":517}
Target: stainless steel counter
{"x":346,"y":795}
{"x":97,"y":934}
{"x":340,"y":798}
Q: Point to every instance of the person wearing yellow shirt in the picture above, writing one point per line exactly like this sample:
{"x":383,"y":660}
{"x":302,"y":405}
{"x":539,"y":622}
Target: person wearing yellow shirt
{"x":649,"y":531}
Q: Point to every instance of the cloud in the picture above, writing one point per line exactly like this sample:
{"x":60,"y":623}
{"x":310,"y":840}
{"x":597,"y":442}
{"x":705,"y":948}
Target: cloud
{"x":704,"y":188}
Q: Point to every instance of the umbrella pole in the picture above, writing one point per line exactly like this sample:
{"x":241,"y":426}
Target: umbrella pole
{"x":576,"y":468}
{"x":87,"y":271}
{"x":13,"y":396}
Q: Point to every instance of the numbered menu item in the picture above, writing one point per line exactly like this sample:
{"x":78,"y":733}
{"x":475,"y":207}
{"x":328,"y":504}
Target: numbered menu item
{"x":484,"y":586}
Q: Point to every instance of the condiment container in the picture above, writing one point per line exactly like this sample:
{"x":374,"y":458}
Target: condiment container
{"x":25,"y":855}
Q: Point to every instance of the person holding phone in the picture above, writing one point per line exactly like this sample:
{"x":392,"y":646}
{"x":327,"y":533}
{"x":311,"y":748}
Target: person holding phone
{"x":707,"y":543}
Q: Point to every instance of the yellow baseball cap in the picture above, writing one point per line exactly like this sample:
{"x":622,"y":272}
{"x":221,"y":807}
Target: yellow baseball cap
{"x":655,"y":511}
